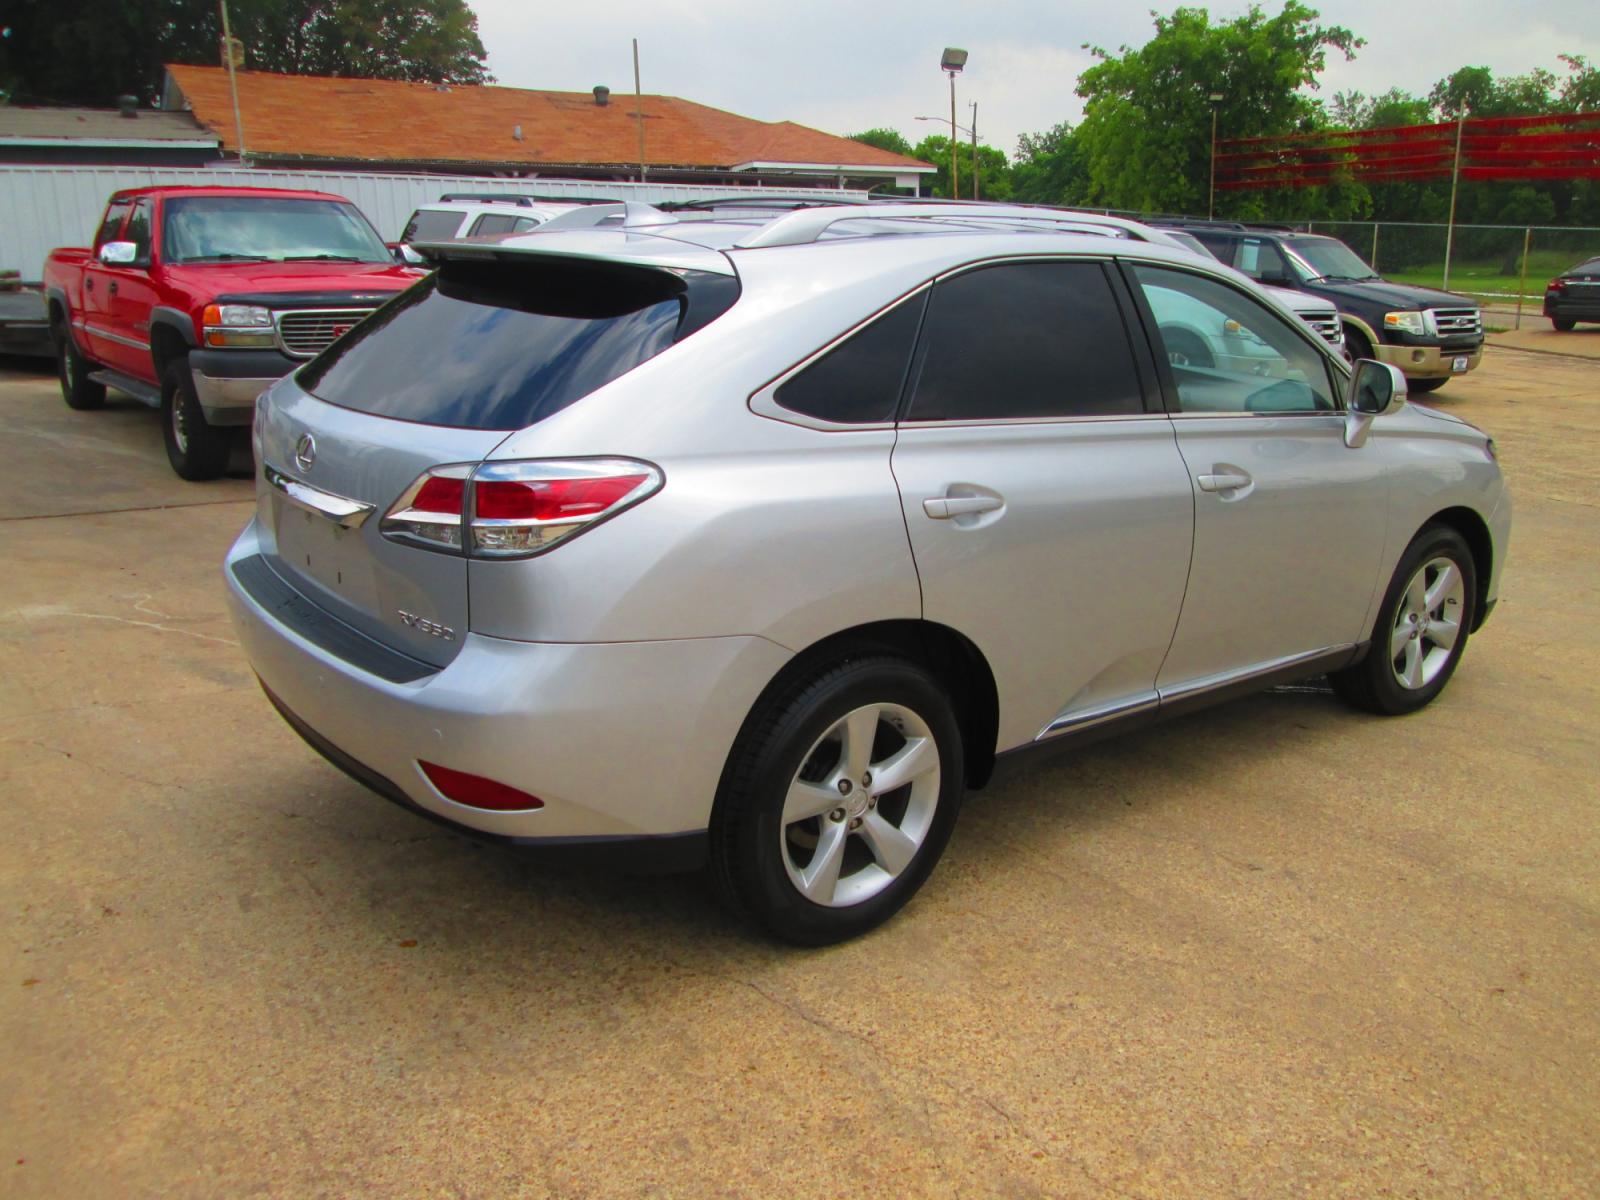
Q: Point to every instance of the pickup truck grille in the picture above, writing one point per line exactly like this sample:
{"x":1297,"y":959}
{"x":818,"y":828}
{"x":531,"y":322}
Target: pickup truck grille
{"x":1453,"y":322}
{"x":305,"y":333}
{"x":1327,"y":327}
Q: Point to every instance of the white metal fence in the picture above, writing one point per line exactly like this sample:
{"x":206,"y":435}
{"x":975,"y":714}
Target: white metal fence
{"x":42,"y":207}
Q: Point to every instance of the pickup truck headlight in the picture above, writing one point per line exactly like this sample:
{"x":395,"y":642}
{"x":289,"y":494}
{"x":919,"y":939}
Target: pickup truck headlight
{"x":1407,"y":322}
{"x":242,"y":326}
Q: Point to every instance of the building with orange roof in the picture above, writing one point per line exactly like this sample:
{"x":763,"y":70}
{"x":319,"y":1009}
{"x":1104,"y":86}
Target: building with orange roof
{"x":377,"y":124}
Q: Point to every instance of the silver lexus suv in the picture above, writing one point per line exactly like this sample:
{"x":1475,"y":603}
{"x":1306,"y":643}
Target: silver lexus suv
{"x":753,"y":542}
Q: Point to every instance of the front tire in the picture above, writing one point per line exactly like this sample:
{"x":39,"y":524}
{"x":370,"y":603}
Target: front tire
{"x":77,"y":389}
{"x":196,"y":449}
{"x":1357,"y":343}
{"x":1422,"y":628}
{"x":1563,"y":326}
{"x":838,"y":799}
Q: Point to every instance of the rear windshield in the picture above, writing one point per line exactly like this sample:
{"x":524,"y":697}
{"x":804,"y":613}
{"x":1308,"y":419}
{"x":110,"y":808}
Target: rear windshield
{"x":502,"y":345}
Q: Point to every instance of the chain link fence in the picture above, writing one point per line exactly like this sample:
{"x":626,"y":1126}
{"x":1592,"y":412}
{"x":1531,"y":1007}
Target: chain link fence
{"x":1504,"y":267}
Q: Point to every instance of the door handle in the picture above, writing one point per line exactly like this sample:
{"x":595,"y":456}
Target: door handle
{"x":88,"y":284}
{"x":942,"y":508}
{"x":112,"y":287}
{"x":1224,"y":481}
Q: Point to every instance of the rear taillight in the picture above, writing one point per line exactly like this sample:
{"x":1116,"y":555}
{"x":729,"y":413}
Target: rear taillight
{"x":1555,"y":285}
{"x":516,"y":509}
{"x":428,"y":512}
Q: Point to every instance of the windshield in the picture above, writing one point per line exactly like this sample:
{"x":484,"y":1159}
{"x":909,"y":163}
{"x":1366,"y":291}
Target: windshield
{"x":1329,"y":259}
{"x":267,"y":229}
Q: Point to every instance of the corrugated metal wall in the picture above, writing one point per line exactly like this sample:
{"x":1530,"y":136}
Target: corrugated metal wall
{"x":44,"y":207}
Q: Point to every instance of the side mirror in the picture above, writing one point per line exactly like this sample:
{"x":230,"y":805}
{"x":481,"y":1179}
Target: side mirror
{"x":403,"y":253}
{"x":119,"y":254}
{"x":1375,"y":389}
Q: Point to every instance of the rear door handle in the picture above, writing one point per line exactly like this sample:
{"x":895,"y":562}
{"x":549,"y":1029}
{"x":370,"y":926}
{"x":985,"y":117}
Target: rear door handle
{"x":942,"y":508}
{"x":112,"y":287}
{"x":1224,"y":481}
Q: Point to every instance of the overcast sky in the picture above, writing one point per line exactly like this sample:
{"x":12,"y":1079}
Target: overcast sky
{"x":845,"y":67}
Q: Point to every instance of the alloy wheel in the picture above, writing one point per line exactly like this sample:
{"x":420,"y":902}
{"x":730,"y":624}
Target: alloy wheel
{"x":1427,"y":623}
{"x":861,"y":805}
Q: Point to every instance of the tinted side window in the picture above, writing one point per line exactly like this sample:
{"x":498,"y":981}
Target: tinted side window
{"x":1261,"y":260}
{"x":112,"y":224}
{"x":1024,"y":340}
{"x":1219,"y":244}
{"x":859,"y":380}
{"x":1230,"y":354}
{"x":501,"y":223}
{"x":431,"y":226}
{"x":138,"y":231}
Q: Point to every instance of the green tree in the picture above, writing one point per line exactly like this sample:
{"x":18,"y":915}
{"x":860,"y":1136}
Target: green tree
{"x":1475,"y":91}
{"x":1048,"y":168}
{"x":90,"y":52}
{"x":1580,"y":91}
{"x":883,"y":139}
{"x":994,"y":172}
{"x":1146,"y":131}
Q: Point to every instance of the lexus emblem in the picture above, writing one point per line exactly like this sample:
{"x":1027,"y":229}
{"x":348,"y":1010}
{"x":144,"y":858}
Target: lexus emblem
{"x":305,"y":451}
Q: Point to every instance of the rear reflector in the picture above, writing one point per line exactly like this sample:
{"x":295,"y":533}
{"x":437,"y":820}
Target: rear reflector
{"x":477,"y":792}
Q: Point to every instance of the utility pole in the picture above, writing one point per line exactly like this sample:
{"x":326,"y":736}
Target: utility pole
{"x":638,"y":109}
{"x":1211,"y":200}
{"x":1455,"y":180}
{"x":974,"y":106}
{"x":233,"y":83}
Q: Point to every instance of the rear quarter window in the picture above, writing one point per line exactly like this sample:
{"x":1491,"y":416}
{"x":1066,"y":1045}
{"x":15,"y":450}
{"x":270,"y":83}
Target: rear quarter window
{"x":502,"y":345}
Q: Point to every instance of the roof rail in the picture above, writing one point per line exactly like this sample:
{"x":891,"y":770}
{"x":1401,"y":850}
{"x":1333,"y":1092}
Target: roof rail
{"x":808,"y":224}
{"x":757,"y":202}
{"x":520,"y":199}
{"x":631,"y":212}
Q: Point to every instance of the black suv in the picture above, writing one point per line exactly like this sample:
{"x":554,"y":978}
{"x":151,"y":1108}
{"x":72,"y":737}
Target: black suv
{"x":1429,"y":335}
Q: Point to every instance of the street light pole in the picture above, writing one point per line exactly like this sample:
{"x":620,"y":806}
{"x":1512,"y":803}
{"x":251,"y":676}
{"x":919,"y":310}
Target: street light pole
{"x":951,"y":63}
{"x":1211,"y":199}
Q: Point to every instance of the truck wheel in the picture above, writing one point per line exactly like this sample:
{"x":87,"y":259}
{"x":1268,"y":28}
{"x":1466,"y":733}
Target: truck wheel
{"x":1357,"y":342}
{"x":196,"y":449}
{"x":77,"y":389}
{"x":1419,"y":386}
{"x":1562,"y":326}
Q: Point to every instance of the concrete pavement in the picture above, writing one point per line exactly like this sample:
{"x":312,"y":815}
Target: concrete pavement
{"x":1275,"y":949}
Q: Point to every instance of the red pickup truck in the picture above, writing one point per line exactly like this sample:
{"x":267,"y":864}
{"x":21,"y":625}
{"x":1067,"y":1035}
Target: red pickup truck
{"x":196,"y":299}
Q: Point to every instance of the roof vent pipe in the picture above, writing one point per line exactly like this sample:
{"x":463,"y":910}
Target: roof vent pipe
{"x":129,"y":106}
{"x":602,"y":96}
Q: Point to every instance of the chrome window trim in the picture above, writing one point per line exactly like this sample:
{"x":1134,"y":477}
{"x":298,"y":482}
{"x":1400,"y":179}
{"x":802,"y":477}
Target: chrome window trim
{"x":1211,"y":683}
{"x":1002,"y":422}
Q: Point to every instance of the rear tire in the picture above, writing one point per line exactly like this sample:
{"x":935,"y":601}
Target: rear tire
{"x":196,"y":449}
{"x":77,"y":389}
{"x":1423,"y":386}
{"x":1422,"y":628}
{"x":802,"y":839}
{"x":1563,"y":326}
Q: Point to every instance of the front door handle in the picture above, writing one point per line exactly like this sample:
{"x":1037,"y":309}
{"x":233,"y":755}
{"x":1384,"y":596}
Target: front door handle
{"x":112,"y":287}
{"x":1224,"y":481}
{"x":88,"y":283}
{"x":942,"y":508}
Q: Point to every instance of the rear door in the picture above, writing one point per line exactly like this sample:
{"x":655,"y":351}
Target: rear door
{"x":1289,"y":522}
{"x":1049,"y":511}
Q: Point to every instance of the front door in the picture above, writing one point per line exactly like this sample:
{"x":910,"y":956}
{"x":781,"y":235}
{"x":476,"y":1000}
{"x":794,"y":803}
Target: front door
{"x":1049,"y":512}
{"x":1289,"y":522}
{"x":129,"y":297}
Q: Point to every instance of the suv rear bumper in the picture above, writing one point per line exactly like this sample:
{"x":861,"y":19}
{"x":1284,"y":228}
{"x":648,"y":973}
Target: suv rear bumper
{"x":621,"y":741}
{"x":1427,"y":362}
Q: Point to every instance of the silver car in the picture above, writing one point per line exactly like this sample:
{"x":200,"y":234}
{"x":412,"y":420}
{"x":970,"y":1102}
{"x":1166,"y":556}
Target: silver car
{"x":755,"y":541}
